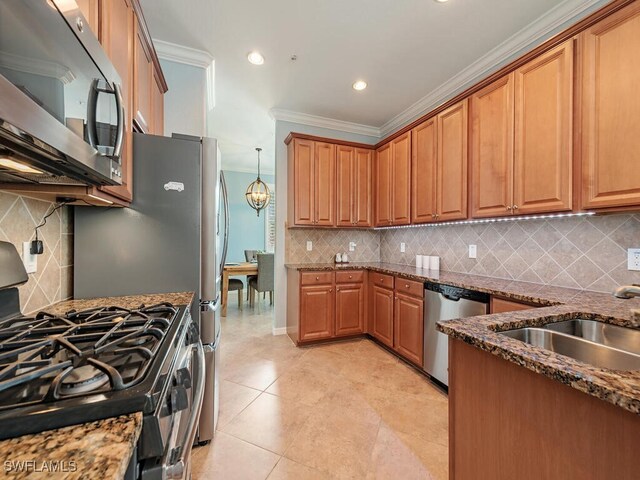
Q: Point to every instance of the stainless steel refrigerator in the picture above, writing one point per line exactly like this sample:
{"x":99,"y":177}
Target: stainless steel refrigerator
{"x":173,"y":238}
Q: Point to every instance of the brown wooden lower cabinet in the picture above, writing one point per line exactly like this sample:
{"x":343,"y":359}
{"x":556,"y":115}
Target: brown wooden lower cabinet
{"x":317,"y":312}
{"x":507,"y":422}
{"x":408,"y":338}
{"x":322,"y":305}
{"x":501,"y":305}
{"x":382,"y":313}
{"x":350,"y":309}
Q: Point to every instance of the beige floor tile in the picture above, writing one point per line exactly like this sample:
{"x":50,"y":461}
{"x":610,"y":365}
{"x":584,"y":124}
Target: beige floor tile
{"x":270,"y":422}
{"x":391,"y":458}
{"x":230,"y":458}
{"x":289,"y":470}
{"x":254,"y":372}
{"x":233,"y":399}
{"x":335,"y":444}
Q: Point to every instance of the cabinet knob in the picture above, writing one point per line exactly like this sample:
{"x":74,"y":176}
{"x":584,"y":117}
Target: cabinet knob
{"x":317,"y":278}
{"x":508,"y":208}
{"x":433,"y":215}
{"x":406,"y":286}
{"x":330,"y":290}
{"x":350,"y":276}
{"x":515,"y":207}
{"x":337,"y":290}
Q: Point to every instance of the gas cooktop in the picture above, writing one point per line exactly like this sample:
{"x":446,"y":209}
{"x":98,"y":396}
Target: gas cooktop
{"x":94,"y":363}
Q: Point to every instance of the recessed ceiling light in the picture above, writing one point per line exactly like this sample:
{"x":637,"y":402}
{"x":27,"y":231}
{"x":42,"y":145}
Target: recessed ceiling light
{"x":256,"y":58}
{"x":360,"y":85}
{"x":441,"y":1}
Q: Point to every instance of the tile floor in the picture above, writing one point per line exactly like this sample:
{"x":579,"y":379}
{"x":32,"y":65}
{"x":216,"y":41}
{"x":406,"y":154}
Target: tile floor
{"x":346,"y":410}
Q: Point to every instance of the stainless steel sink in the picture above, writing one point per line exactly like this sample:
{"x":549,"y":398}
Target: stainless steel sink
{"x":606,"y":334}
{"x":577,"y":347}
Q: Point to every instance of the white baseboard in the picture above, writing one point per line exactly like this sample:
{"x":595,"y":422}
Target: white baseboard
{"x":279,"y":331}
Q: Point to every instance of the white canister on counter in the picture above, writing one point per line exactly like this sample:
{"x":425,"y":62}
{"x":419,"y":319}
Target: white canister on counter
{"x":338,"y":258}
{"x":345,"y":258}
{"x":434,"y":263}
{"x":418,"y":261}
{"x":426,"y":261}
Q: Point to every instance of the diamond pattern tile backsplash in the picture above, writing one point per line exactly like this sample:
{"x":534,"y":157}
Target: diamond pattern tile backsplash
{"x":577,"y":252}
{"x":326,"y":243}
{"x":53,"y":280}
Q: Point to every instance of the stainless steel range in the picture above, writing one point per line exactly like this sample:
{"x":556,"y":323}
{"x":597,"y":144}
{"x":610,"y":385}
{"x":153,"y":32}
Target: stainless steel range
{"x":58,"y":370}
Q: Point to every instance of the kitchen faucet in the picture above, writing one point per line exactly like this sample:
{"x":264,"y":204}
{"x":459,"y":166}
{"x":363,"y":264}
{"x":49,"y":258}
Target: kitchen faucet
{"x":627,"y":291}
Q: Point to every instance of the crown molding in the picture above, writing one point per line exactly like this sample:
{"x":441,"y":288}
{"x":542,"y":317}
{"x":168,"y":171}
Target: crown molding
{"x":569,"y":11}
{"x":324,"y":122}
{"x":43,"y":68}
{"x":181,"y":54}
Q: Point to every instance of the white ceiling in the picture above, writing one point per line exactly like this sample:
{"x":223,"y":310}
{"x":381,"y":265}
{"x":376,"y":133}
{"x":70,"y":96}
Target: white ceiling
{"x":404,"y":49}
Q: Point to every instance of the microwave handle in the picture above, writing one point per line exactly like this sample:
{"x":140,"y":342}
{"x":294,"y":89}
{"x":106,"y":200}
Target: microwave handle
{"x":92,"y":106}
{"x":117,"y":149}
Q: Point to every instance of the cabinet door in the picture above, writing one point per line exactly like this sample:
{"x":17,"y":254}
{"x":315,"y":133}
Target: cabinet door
{"x":452,"y":163}
{"x":118,"y":27}
{"x":303,"y":182}
{"x":491,"y":149}
{"x":325,"y":177}
{"x":383,"y":188}
{"x":544,"y":131}
{"x":362,"y":188}
{"x":382,"y":304}
{"x":157,"y":105}
{"x":349,"y":309}
{"x":345,"y":172}
{"x":409,"y":327}
{"x":424,"y":155}
{"x":316,"y":312}
{"x":401,"y":170}
{"x":142,"y":78}
{"x":610,"y":106}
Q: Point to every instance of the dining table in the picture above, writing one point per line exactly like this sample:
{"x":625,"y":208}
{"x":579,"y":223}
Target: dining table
{"x":233,"y":270}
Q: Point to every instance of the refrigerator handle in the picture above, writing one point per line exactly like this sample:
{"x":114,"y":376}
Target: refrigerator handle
{"x":223,"y":186}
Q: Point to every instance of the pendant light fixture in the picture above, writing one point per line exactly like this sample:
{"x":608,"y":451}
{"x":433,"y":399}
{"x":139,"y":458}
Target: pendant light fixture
{"x":258,"y":194}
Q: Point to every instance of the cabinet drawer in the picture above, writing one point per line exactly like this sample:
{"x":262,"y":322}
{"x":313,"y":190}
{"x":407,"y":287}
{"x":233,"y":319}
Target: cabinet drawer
{"x":409,"y":287}
{"x":316,"y":278}
{"x":350,"y":276}
{"x":382,"y":280}
{"x":501,"y":305}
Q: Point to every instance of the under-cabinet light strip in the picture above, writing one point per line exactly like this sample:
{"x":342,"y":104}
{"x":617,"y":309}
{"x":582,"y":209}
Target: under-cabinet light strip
{"x":491,"y":220}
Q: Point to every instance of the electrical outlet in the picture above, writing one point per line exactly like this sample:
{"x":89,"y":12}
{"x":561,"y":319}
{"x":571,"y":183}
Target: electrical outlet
{"x":633,"y":259}
{"x":309,"y":245}
{"x":352,"y":246}
{"x":403,"y":247}
{"x":30,"y":260}
{"x":473,"y":251}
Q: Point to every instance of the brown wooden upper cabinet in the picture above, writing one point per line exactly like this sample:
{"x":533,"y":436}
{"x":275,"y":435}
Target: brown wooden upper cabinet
{"x":609,"y":108}
{"x":424,"y":155}
{"x":353,"y":186}
{"x":142,"y":78}
{"x":117,"y":34}
{"x":312,"y":195}
{"x":393,"y":182}
{"x":452,"y":163}
{"x":521,"y":139}
{"x":439,"y":167}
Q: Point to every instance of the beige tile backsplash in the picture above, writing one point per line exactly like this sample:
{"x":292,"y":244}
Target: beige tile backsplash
{"x":577,"y":252}
{"x":326,"y":243}
{"x":54,"y":279}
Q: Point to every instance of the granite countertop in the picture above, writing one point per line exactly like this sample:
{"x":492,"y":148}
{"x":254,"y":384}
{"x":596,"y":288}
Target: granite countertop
{"x":95,"y":450}
{"x":556,"y":304}
{"x":88,"y":451}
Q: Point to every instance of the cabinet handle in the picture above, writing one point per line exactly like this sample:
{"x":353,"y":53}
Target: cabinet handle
{"x":515,"y":207}
{"x":508,"y":208}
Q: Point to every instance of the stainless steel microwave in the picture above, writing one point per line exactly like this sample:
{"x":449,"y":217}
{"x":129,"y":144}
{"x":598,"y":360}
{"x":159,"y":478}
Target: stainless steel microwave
{"x":62,"y":117}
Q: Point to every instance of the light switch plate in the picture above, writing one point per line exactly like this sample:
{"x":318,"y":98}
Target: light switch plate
{"x":403,"y":247}
{"x":473,"y":251}
{"x":30,"y":261}
{"x":309,"y":245}
{"x":633,"y":259}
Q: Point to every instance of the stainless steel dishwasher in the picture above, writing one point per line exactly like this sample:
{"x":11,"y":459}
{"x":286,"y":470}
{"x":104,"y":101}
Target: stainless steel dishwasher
{"x":444,"y":302}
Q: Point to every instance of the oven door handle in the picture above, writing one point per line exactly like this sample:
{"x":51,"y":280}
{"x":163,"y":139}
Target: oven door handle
{"x":177,"y":469}
{"x":92,"y":123}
